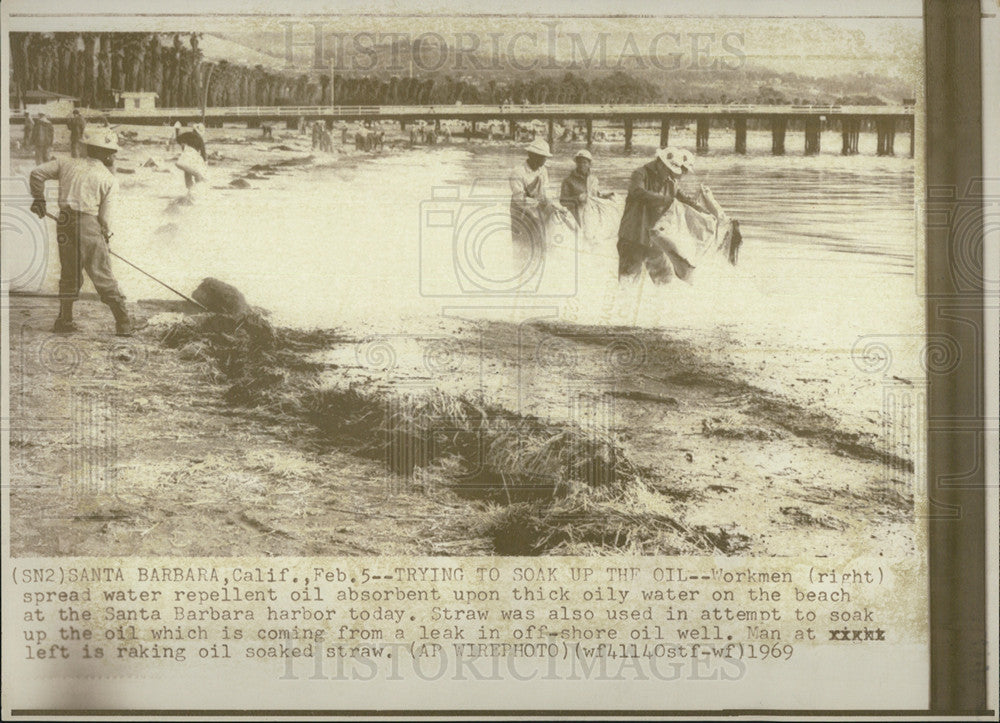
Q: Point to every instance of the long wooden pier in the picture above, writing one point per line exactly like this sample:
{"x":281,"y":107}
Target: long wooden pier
{"x":885,"y":119}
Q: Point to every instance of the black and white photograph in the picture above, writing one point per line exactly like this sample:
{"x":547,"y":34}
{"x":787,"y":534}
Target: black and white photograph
{"x":568,"y":286}
{"x":634,"y":297}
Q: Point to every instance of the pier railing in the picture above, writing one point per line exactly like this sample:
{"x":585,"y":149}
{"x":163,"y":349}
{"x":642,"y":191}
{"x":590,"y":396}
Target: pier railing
{"x":885,"y":118}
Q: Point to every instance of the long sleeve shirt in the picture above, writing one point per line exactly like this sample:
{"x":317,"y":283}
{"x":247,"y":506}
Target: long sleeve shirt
{"x":529,"y":188}
{"x":575,"y":185}
{"x":650,"y":193}
{"x":85,"y":185}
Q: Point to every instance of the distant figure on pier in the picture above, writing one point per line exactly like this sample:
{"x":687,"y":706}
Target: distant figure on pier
{"x":580,"y":192}
{"x":76,"y":127}
{"x":325,"y":140}
{"x":652,"y":189}
{"x":267,"y":131}
{"x":361,"y":138}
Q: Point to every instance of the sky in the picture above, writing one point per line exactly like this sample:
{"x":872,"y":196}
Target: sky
{"x":815,"y":47}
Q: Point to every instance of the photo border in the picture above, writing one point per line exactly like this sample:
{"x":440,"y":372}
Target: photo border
{"x":957,"y":413}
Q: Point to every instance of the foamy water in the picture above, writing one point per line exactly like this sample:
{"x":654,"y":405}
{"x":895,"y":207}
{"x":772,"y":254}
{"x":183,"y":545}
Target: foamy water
{"x":391,"y":244}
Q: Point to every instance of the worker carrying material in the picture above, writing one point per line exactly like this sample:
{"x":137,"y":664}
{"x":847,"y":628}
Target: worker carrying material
{"x":193,"y":159}
{"x":87,"y":195}
{"x":530,"y":207}
{"x":689,"y":237}
{"x":581,"y":194}
{"x":652,"y":191}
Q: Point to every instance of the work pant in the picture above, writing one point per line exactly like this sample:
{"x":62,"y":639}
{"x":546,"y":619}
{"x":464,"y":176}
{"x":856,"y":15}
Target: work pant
{"x":633,"y":255}
{"x":82,"y":248}
{"x":74,"y":146}
{"x":41,"y":154}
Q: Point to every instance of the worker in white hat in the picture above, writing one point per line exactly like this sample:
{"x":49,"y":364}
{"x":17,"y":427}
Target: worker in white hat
{"x":530,"y":205}
{"x":580,"y":187}
{"x":651,"y":190}
{"x":87,"y":193}
{"x":173,"y":136}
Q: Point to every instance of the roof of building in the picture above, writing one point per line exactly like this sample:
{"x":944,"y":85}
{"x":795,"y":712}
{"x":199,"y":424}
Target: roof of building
{"x":37,"y":95}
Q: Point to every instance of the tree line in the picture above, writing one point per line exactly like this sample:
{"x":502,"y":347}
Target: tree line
{"x":94,"y":66}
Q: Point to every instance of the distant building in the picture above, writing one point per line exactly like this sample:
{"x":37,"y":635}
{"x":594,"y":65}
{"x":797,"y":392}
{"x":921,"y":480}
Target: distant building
{"x":137,"y":100}
{"x":54,"y":105}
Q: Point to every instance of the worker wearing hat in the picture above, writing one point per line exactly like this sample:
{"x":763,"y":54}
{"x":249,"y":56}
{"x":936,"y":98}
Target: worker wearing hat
{"x":652,"y":189}
{"x":87,"y":193}
{"x":580,"y":186}
{"x":529,"y":202}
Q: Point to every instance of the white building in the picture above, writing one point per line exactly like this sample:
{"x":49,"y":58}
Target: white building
{"x":54,"y":105}
{"x":137,"y":100}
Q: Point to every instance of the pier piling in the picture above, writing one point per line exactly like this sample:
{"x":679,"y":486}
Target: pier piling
{"x":741,"y":135}
{"x":778,"y":126}
{"x":885,"y":129}
{"x":701,"y":135}
{"x":812,"y":135}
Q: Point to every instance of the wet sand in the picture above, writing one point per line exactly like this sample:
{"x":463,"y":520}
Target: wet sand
{"x":749,"y":471}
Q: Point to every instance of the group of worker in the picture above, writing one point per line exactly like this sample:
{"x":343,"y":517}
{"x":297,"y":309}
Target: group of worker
{"x":369,"y":139}
{"x":652,"y":190}
{"x":88,"y":188}
{"x":321,"y":137}
{"x":39,"y":134}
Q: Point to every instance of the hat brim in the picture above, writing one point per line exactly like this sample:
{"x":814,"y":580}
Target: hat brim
{"x":672,"y":167}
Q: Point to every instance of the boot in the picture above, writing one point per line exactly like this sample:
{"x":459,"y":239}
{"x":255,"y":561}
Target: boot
{"x":123,"y":324}
{"x":64,"y":322}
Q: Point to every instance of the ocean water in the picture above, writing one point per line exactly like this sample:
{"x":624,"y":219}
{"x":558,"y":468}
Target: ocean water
{"x":391,"y":243}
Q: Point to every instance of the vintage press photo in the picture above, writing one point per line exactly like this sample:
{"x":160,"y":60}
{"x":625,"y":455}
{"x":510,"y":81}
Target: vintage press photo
{"x":570,"y":357}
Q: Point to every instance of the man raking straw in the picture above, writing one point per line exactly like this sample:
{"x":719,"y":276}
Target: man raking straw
{"x":87,"y":195}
